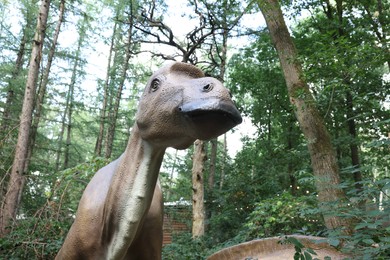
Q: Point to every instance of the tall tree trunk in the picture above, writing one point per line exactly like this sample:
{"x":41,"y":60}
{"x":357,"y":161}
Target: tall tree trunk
{"x":61,"y":135}
{"x":9,"y":121}
{"x":68,"y":115}
{"x":15,"y":186}
{"x":214,"y":142}
{"x":6,"y":119}
{"x":70,"y":96}
{"x":222,"y":67}
{"x":171,"y":181}
{"x":103,"y":111}
{"x":111,"y":131}
{"x":43,"y":85}
{"x":198,"y":209}
{"x":7,"y":124}
{"x":357,"y":174}
{"x":351,"y":125}
{"x":213,"y":163}
{"x":224,"y":155}
{"x":290,"y":166}
{"x":350,"y":114}
{"x":323,"y":157}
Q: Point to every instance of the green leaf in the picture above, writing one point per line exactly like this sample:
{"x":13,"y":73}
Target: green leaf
{"x":368,"y":241}
{"x":360,"y":226}
{"x":311,"y":251}
{"x":334,"y":242}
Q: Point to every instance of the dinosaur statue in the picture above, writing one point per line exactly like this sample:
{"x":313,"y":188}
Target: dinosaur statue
{"x":120,"y":214}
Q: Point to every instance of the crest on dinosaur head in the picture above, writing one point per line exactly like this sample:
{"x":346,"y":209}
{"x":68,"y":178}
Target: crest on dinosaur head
{"x":180,"y":105}
{"x":188,"y":69}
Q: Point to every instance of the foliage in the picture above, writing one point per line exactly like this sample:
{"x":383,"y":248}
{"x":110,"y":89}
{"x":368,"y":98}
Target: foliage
{"x":185,"y":248}
{"x":372,"y":222}
{"x":346,"y":66}
{"x":39,"y":234}
{"x":37,"y":237}
{"x":284,"y":214}
{"x":301,"y":253}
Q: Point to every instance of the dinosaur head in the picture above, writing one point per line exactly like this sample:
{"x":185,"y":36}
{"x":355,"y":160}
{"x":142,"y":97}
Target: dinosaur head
{"x":180,"y":105}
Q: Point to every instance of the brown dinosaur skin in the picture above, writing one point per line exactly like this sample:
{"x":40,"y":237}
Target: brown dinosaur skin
{"x":120,"y":214}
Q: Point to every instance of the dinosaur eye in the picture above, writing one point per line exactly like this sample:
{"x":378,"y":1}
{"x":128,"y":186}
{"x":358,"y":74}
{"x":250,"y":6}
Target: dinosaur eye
{"x":155,"y":84}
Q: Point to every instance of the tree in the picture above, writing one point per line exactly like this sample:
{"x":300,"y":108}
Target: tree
{"x":12,"y":92}
{"x":14,"y":83}
{"x":69,"y":106}
{"x":258,"y":85}
{"x":16,"y":183}
{"x":67,"y":116}
{"x":375,"y":13}
{"x":43,"y":83}
{"x":103,"y":110}
{"x":129,"y":47}
{"x":349,"y":71}
{"x":158,"y":32}
{"x":323,"y":156}
{"x":198,"y":208}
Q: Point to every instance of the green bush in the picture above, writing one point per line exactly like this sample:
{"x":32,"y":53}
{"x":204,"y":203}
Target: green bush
{"x":34,"y":238}
{"x":185,"y":248}
{"x":39,"y":234}
{"x":284,"y":214}
{"x":371,"y":237}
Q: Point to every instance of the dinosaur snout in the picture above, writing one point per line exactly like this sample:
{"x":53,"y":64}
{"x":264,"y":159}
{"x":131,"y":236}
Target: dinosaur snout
{"x":210,"y":117}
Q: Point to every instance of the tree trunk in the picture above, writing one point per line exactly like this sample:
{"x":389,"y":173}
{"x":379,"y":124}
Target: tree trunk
{"x":9,"y":121}
{"x":357,"y":174}
{"x":349,"y":99}
{"x":290,"y":166}
{"x":6,"y":119}
{"x":61,"y":136}
{"x":323,"y":157}
{"x":171,"y":181}
{"x":214,"y":143}
{"x":198,"y":209}
{"x":99,"y":141}
{"x":70,"y":96}
{"x":15,"y":186}
{"x":350,"y":114}
{"x":68,"y":115}
{"x":213,"y":162}
{"x":224,"y":155}
{"x":44,"y":81}
{"x":111,"y":131}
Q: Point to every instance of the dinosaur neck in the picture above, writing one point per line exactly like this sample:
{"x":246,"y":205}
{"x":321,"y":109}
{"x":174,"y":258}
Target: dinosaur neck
{"x":131,"y":192}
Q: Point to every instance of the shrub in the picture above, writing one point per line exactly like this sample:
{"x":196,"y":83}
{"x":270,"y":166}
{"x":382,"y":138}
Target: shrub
{"x":39,"y":234}
{"x":284,"y":214}
{"x":185,"y":248}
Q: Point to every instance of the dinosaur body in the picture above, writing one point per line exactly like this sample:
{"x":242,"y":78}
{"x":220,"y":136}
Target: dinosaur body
{"x":120,"y":214}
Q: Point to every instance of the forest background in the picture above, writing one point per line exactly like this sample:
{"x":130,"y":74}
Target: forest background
{"x":81,"y":71}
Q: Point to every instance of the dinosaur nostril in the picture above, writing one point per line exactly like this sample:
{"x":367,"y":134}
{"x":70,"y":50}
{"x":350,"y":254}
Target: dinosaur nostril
{"x":207,"y":87}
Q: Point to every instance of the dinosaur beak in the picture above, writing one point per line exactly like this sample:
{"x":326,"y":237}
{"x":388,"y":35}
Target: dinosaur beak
{"x":211,"y":117}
